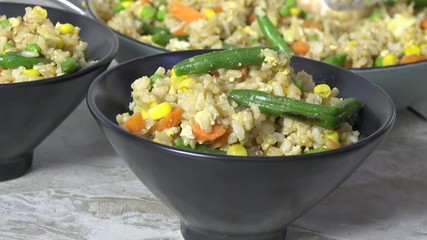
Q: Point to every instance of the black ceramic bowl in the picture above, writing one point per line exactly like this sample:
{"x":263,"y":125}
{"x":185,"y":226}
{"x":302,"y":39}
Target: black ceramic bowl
{"x":30,"y":111}
{"x":228,"y":197}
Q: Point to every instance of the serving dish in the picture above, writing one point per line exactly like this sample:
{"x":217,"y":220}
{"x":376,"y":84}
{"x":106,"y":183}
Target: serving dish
{"x":229,"y":197}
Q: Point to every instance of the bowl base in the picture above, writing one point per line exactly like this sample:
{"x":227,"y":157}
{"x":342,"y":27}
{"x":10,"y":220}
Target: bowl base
{"x":16,"y":167}
{"x":193,"y":234}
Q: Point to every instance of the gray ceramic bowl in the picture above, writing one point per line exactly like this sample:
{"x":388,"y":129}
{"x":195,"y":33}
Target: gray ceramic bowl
{"x":404,"y":83}
{"x":30,"y":111}
{"x":239,"y":198}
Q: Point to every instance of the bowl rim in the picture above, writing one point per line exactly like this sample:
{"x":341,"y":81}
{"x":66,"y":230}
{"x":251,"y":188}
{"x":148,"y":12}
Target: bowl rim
{"x":106,"y":58}
{"x":103,"y":121}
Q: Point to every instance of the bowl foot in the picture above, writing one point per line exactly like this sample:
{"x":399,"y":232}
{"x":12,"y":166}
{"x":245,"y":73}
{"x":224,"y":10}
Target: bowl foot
{"x":16,"y":167}
{"x":193,"y":234}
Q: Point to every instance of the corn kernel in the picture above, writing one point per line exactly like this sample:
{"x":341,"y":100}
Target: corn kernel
{"x":412,"y":50}
{"x":31,"y":72}
{"x":332,"y":136}
{"x":40,"y":12}
{"x":237,"y":150}
{"x":295,"y":11}
{"x":186,"y":84}
{"x":126,"y":4}
{"x":153,"y":104}
{"x":143,"y":112}
{"x":174,"y":79}
{"x":65,"y":28}
{"x":323,"y":90}
{"x":209,"y":13}
{"x":354,"y":43}
{"x":160,"y":111}
{"x":389,"y":59}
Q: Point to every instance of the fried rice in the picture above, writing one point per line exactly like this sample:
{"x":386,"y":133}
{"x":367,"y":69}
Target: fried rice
{"x":203,"y":101}
{"x":384,"y":35}
{"x":34,"y":36}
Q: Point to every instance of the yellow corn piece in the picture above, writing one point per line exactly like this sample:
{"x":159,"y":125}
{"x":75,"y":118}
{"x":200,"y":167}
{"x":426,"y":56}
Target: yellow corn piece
{"x":126,"y":4}
{"x":65,"y":28}
{"x":412,"y":50}
{"x":208,"y":13}
{"x":143,"y":112}
{"x":389,"y":59}
{"x":153,"y":104}
{"x":323,"y":90}
{"x":40,"y":12}
{"x":31,"y":72}
{"x":160,"y":111}
{"x":354,"y":43}
{"x":174,"y":79}
{"x":295,"y":11}
{"x":186,"y":84}
{"x":334,"y":136}
{"x":237,"y":150}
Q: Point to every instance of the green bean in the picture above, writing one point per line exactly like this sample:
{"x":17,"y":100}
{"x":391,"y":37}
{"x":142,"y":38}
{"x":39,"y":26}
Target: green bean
{"x":179,"y":143}
{"x":149,"y":29}
{"x":228,"y":59}
{"x":271,"y":34}
{"x":70,"y":65}
{"x":321,"y":115}
{"x":337,"y":60}
{"x":163,"y":38}
{"x":14,"y":60}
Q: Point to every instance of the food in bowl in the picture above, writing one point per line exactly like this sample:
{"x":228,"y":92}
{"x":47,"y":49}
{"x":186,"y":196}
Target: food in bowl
{"x":389,"y":34}
{"x":32,"y":47}
{"x":246,"y":101}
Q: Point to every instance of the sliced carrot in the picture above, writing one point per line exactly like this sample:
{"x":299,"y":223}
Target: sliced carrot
{"x":215,"y":74}
{"x":184,"y":12}
{"x":135,"y":123}
{"x":245,"y":71}
{"x":300,"y":47}
{"x":424,"y":23}
{"x":217,"y":131}
{"x":218,"y":9}
{"x":171,"y":120}
{"x":411,"y":59}
{"x":312,"y":24}
{"x":251,"y":17}
{"x":221,"y":141}
{"x":179,"y":31}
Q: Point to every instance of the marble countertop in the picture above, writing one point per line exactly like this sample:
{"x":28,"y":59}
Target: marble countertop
{"x":78,"y":188}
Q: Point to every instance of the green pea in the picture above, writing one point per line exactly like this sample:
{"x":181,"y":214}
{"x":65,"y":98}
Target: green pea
{"x":292,"y":3}
{"x":118,"y":7}
{"x":70,"y":65}
{"x":161,"y":13}
{"x":148,"y":12}
{"x":379,"y":62}
{"x":5,"y":23}
{"x":8,"y":46}
{"x":34,"y":47}
{"x":285,"y":11}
